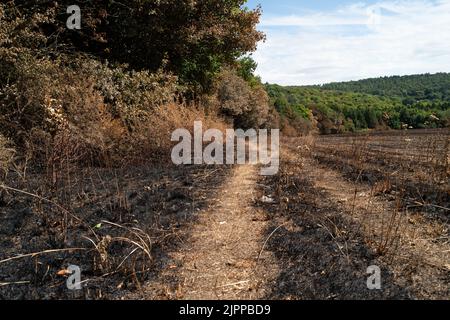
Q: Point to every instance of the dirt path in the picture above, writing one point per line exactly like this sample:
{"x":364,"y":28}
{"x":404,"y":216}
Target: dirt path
{"x":325,"y":239}
{"x":219,"y":258}
{"x":220,"y":261}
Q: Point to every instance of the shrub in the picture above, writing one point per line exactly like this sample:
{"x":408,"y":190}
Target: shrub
{"x":6,"y":155}
{"x":76,"y":110}
{"x":62,"y":106}
{"x":248,"y":106}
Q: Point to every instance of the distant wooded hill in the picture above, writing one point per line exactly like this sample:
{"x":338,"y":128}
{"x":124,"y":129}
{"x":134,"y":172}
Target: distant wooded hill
{"x":425,"y":87}
{"x":418,"y":101}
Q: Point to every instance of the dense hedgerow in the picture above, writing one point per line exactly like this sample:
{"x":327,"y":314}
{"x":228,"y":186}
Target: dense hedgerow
{"x":62,"y":101}
{"x":192,"y":39}
{"x":103,"y":113}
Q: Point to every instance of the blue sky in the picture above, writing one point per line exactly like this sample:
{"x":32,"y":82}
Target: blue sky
{"x":320,"y":41}
{"x":298,"y":6}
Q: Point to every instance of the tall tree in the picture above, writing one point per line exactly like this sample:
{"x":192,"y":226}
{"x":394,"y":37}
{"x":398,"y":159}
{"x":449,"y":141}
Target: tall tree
{"x":192,"y":38}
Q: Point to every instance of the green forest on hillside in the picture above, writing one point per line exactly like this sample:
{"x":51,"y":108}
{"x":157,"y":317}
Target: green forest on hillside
{"x":420,"y":101}
{"x":411,"y":89}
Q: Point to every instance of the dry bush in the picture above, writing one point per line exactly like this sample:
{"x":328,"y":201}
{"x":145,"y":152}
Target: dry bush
{"x":273,"y":119}
{"x":75,"y":110}
{"x":288,"y":129}
{"x":296,"y":127}
{"x":6,"y":155}
{"x":247,"y":105}
{"x":54,"y":112}
{"x":150,"y":141}
{"x":259,"y":109}
{"x":127,"y":93}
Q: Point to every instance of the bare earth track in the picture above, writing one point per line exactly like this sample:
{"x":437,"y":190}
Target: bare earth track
{"x":220,"y":258}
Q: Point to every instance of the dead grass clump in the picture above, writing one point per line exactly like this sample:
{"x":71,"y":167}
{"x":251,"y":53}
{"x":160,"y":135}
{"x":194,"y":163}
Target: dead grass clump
{"x":136,"y":242}
{"x":150,"y":139}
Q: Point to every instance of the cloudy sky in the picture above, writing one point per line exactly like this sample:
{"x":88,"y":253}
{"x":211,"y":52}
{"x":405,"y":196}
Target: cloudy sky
{"x":321,"y":41}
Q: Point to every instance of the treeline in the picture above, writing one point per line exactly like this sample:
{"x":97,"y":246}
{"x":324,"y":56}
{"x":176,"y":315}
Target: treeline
{"x":192,"y":39}
{"x":332,"y":111}
{"x":410,"y":89}
{"x":115,"y":89}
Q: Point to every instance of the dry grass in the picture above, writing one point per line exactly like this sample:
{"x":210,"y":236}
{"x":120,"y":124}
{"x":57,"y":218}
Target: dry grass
{"x":152,"y":135}
{"x":6,"y":156}
{"x":338,"y":218}
{"x":124,"y":219}
{"x":396,"y":186}
{"x":411,"y":166}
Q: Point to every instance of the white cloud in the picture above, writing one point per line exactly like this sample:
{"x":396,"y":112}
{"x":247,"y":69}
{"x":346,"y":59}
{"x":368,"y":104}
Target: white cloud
{"x":356,"y":42}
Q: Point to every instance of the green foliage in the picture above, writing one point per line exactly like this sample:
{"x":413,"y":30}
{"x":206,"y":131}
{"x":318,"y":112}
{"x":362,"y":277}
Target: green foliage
{"x":341,"y":111}
{"x":410,"y":89}
{"x":246,"y":68}
{"x":192,"y":39}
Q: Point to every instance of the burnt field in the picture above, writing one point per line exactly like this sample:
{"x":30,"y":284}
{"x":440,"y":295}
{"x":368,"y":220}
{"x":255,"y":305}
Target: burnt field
{"x":347,"y":202}
{"x":116,"y":225}
{"x":412,"y":165}
{"x":338,"y":205}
